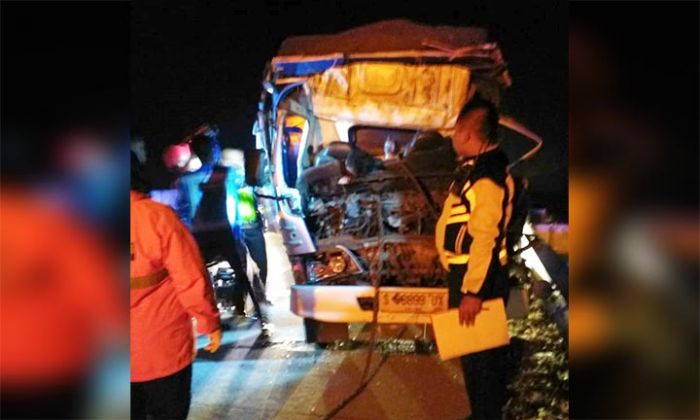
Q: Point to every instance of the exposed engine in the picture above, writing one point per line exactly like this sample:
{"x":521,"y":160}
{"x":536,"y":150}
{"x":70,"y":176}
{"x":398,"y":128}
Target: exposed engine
{"x":386,"y":207}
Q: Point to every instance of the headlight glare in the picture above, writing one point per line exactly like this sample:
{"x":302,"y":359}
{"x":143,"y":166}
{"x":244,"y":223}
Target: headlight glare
{"x":337,"y":264}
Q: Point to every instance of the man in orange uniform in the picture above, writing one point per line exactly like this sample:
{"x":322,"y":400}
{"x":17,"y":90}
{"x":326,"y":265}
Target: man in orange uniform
{"x":60,"y":304}
{"x":169,"y":286}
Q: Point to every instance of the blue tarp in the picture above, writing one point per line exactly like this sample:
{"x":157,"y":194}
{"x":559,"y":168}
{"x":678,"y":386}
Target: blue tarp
{"x":305,"y":68}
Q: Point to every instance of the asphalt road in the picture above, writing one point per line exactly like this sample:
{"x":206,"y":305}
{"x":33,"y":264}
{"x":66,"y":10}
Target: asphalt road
{"x":285,"y":378}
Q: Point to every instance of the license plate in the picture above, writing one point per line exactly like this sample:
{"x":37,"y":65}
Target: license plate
{"x":423,"y":301}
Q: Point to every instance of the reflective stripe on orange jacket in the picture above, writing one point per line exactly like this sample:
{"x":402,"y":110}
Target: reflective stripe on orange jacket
{"x":169,"y":287}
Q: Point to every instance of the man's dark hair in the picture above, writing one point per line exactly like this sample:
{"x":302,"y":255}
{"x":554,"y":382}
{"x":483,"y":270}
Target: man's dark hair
{"x":489,"y":126}
{"x":205,"y":148}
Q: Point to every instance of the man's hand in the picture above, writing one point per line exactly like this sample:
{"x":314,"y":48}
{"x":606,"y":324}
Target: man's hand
{"x":469,"y":307}
{"x":214,"y":341}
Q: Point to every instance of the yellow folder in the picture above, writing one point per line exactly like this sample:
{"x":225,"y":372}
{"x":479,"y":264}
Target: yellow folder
{"x":490,"y":330}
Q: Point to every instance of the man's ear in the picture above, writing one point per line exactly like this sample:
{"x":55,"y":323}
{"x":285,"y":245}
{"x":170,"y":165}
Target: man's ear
{"x":467,"y":137}
{"x":463,"y":135}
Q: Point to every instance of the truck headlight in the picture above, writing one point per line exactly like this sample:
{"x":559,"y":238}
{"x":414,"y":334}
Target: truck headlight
{"x":337,"y":264}
{"x":332,"y":264}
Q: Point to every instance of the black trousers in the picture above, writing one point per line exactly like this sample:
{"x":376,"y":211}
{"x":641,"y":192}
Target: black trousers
{"x":255,"y":241}
{"x":223,"y":243}
{"x":163,"y":398}
{"x":485,"y":373}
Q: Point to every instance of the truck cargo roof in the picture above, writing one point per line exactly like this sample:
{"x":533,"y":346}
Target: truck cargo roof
{"x":388,"y":35}
{"x":396,"y":40}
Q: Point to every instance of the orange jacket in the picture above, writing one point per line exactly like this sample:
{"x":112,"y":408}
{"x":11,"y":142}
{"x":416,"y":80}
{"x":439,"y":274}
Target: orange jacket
{"x":169,"y":286}
{"x":60,"y":294}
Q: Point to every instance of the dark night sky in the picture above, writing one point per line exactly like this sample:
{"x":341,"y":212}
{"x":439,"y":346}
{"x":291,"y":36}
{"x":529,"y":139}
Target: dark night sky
{"x":203,"y":61}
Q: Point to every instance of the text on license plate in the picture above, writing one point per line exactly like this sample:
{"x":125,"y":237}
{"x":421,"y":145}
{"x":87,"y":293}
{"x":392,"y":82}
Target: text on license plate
{"x":425,"y":302}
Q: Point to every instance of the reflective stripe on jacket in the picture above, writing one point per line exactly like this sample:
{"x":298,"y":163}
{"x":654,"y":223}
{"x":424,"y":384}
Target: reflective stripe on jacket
{"x":169,"y":286}
{"x":471,"y":228}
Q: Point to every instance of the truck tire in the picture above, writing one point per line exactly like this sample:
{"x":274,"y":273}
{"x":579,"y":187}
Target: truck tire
{"x":324,"y":333}
{"x":310,"y":330}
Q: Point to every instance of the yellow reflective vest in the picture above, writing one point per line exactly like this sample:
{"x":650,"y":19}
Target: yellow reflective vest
{"x":472,"y":226}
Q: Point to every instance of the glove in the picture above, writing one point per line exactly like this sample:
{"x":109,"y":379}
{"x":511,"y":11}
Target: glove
{"x":214,"y":341}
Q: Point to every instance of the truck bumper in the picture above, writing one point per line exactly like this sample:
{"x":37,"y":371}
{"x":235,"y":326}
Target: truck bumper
{"x":354,"y":304}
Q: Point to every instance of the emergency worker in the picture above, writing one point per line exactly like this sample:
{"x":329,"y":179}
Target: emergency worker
{"x":253,"y":236}
{"x":207,"y":204}
{"x":169,"y":287}
{"x":60,"y":306}
{"x":470,"y":238}
{"x":251,"y":221}
{"x":61,"y":295}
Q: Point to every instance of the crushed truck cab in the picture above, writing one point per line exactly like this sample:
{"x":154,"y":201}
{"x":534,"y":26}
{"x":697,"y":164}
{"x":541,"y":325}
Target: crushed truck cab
{"x":355,"y":129}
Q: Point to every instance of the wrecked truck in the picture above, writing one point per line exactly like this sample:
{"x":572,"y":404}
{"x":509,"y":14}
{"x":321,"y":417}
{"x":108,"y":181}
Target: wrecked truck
{"x":353,"y":134}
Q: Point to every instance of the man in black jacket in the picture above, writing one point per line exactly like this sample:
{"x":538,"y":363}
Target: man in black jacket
{"x":471,"y":240}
